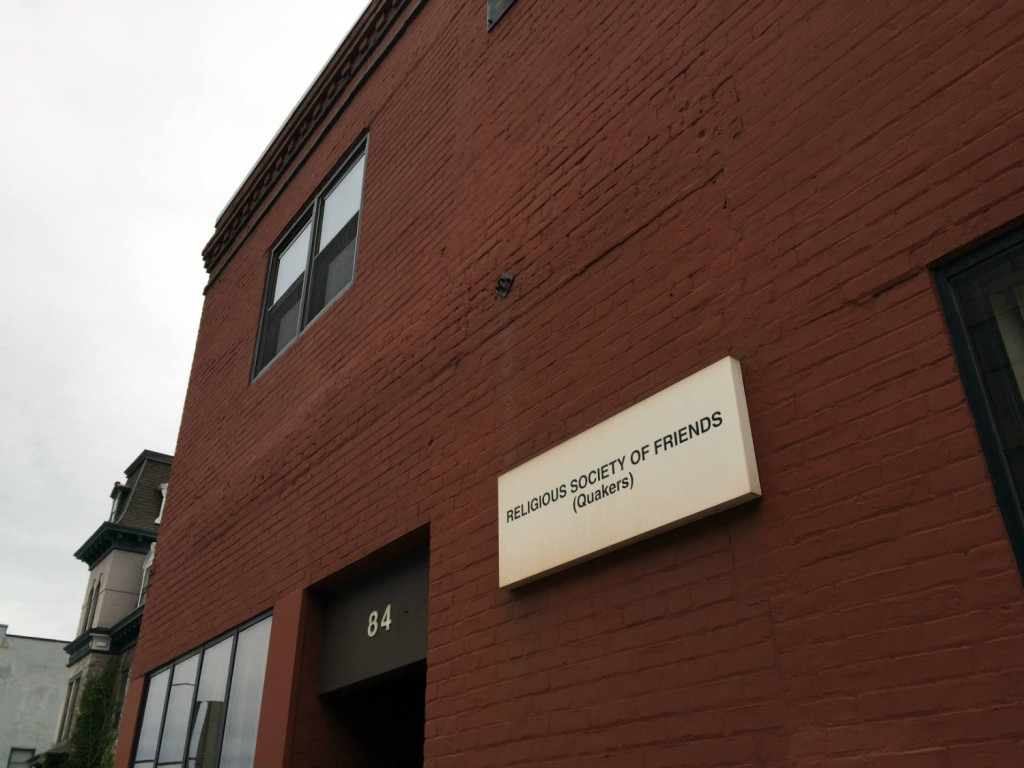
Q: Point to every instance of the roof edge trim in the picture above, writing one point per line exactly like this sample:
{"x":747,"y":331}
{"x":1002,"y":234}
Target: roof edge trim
{"x":329,"y":86}
{"x":110,"y":536}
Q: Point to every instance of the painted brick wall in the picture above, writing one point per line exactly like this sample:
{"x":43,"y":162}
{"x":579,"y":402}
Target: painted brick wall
{"x":670,"y":183}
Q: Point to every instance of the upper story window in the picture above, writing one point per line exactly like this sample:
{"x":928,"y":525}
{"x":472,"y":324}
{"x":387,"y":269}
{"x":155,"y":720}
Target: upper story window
{"x":495,"y":10}
{"x":314,"y":263}
{"x":89,"y":608}
{"x":147,"y":566}
{"x":20,"y":757}
{"x":983,"y":297}
{"x":70,"y":704}
{"x":119,"y":496}
{"x":94,"y":600}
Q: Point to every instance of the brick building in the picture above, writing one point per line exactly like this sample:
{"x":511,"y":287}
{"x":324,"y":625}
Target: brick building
{"x":489,"y":228}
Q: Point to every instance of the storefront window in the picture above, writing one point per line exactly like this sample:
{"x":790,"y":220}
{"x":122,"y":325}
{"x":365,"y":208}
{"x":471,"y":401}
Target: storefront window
{"x":208,"y":722}
{"x":205,"y":724}
{"x":246,"y":694}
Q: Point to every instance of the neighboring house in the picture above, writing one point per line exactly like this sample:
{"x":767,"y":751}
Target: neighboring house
{"x":478,"y":316}
{"x":119,"y":555}
{"x":32,"y":678}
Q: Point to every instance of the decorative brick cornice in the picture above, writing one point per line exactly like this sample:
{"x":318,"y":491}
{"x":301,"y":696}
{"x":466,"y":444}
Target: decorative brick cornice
{"x":332,"y":83}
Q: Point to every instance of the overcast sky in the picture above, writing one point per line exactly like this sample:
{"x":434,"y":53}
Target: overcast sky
{"x":125,"y":127}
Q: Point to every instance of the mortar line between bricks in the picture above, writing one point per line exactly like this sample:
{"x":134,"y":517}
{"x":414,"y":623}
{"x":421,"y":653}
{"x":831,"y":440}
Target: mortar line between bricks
{"x":873,"y":293}
{"x":618,"y":244}
{"x":639,"y":228}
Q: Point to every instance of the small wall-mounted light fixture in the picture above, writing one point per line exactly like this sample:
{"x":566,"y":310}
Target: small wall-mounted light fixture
{"x":504,"y":285}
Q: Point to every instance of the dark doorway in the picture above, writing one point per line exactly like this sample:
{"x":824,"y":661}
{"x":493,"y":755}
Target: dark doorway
{"x":381,"y":719}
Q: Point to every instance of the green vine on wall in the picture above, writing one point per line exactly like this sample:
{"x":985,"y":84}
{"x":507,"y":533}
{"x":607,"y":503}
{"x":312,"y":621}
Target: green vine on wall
{"x":92,"y":740}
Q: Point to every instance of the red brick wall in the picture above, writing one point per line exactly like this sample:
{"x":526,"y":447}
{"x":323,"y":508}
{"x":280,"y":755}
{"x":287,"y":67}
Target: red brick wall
{"x":670,"y":183}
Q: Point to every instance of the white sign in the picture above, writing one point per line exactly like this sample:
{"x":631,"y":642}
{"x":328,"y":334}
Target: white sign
{"x":679,"y":455}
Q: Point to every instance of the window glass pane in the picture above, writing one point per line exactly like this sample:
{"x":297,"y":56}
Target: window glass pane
{"x":291,"y":263}
{"x":67,"y":711}
{"x":342,"y":203}
{"x":152,"y":715}
{"x":333,"y":269}
{"x":245,"y":696}
{"x":983,"y":296}
{"x":208,"y":723}
{"x":991,"y":297}
{"x":145,"y":586}
{"x":280,"y":326}
{"x":73,"y":710}
{"x":179,"y":707}
{"x":495,"y":10}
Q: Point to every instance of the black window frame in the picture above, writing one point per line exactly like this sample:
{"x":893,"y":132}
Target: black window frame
{"x":1006,"y":492}
{"x":199,"y":651}
{"x":311,"y":215}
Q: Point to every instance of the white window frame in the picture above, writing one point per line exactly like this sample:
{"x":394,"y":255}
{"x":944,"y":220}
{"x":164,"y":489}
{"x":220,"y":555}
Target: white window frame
{"x":147,"y":565}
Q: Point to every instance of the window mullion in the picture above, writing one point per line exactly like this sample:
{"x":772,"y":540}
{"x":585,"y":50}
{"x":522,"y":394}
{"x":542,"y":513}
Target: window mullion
{"x":315,"y":223}
{"x":227,"y":691}
{"x":163,"y":714}
{"x":190,"y":724}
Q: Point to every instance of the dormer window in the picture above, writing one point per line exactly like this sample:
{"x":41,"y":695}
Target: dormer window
{"x":120,"y":496}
